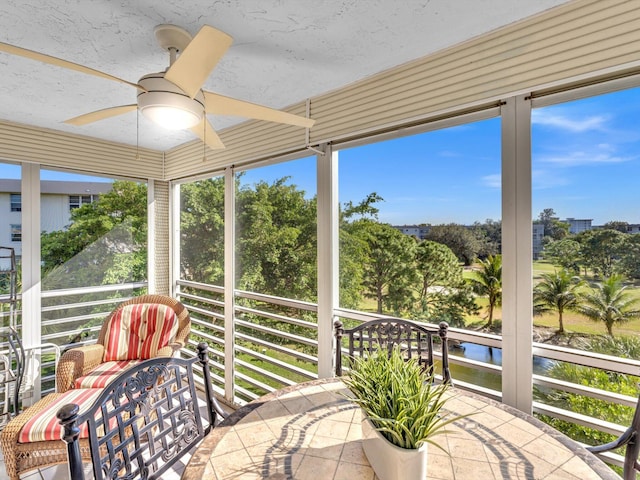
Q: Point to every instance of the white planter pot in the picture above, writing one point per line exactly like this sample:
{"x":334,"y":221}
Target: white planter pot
{"x":389,"y":461}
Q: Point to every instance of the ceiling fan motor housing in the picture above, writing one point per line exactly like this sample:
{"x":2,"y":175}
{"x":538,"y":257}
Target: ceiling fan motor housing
{"x":167,"y":104}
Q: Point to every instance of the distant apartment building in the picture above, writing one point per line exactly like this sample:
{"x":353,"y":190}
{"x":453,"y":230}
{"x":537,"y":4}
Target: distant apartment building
{"x":57,"y":200}
{"x":419,"y":231}
{"x":577,"y":225}
{"x":537,"y":236}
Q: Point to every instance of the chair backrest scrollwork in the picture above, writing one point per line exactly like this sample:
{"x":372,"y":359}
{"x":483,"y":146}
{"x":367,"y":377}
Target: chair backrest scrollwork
{"x":143,"y":421}
{"x":414,"y":339}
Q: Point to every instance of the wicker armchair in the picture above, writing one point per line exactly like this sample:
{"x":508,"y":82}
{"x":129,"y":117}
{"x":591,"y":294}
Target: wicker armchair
{"x":28,"y":451}
{"x":82,"y":361}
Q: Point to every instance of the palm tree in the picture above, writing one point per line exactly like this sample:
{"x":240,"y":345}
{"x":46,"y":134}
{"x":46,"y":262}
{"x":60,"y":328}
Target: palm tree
{"x":609,"y":302}
{"x":557,"y":291}
{"x":488,"y":282}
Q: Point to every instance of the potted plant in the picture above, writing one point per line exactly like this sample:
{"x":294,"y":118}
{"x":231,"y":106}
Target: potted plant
{"x":401,"y":406}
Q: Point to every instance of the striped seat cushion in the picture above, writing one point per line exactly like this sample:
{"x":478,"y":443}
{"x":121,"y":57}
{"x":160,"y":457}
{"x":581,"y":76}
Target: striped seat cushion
{"x":44,"y":425}
{"x":103,"y":374}
{"x":138,"y":331}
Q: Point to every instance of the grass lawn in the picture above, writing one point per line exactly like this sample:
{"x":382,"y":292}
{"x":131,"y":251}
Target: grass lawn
{"x":573,"y":322}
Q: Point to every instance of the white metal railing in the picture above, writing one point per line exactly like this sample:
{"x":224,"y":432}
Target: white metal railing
{"x":263,"y":331}
{"x":276,"y":343}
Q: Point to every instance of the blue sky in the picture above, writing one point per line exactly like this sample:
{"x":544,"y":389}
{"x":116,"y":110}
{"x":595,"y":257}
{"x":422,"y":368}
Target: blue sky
{"x":585,"y":164}
{"x":585,"y":155}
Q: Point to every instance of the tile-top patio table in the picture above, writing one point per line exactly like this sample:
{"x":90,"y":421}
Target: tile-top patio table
{"x":311,"y":431}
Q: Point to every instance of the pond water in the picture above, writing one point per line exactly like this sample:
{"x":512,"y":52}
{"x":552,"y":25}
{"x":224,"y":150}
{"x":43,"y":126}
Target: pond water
{"x":491,"y":355}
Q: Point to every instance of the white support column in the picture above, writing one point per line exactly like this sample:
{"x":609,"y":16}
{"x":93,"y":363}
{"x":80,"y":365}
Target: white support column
{"x":229,"y":282}
{"x":31,"y":277}
{"x":151,"y":235}
{"x":328,"y":278}
{"x":517,"y":279}
{"x":174,"y":241}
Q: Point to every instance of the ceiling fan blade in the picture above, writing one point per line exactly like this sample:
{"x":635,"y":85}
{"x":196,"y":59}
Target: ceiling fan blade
{"x":195,"y":63}
{"x":221,"y":105}
{"x":100,"y":114}
{"x":207,"y":134}
{"x":58,"y":62}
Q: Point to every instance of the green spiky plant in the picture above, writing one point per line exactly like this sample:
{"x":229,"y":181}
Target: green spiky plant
{"x":399,"y":398}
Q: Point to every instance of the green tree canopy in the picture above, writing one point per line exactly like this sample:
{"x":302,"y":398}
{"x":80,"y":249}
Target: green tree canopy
{"x":557,"y":291}
{"x":602,"y":250}
{"x":488,"y":282}
{"x":565,"y":253}
{"x":460,"y":239}
{"x":609,"y":302}
{"x":104,"y":243}
{"x":388,"y":269}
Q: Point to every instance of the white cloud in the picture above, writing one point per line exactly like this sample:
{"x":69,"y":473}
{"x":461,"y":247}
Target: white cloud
{"x":574,"y":159}
{"x":541,"y":117}
{"x":542,"y":179}
{"x":492,"y":181}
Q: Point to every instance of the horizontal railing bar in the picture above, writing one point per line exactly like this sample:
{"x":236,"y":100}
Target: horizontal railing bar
{"x":206,"y":313}
{"x":68,"y":333}
{"x":286,"y":366}
{"x":201,"y":286}
{"x":197,"y":298}
{"x":78,"y":318}
{"x":272,"y":331}
{"x":84,"y":290}
{"x":92,"y":303}
{"x":265,"y":373}
{"x":472,"y":387}
{"x":288,"y":351}
{"x":252,"y":381}
{"x":588,"y":359}
{"x":208,"y":326}
{"x":247,"y":393}
{"x":275,"y":316}
{"x":285,"y":302}
{"x":577,"y":418}
{"x":585,"y":391}
{"x":487,"y":367}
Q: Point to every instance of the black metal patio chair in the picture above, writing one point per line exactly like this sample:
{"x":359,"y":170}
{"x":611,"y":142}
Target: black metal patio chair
{"x":143,"y":422}
{"x":630,"y":441}
{"x":415,"y":340}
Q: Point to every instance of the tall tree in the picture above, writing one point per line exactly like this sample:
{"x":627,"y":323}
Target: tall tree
{"x":602,"y":250}
{"x":609,"y":302}
{"x":460,"y":239}
{"x":104,"y":243}
{"x":202,"y":231}
{"x":389,"y":269}
{"x":276,"y":240}
{"x":488,"y":282}
{"x":619,"y":225}
{"x":565,"y":253}
{"x":558,"y":291}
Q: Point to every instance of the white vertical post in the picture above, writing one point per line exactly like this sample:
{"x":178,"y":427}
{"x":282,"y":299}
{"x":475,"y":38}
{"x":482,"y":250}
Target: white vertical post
{"x":517,"y":279}
{"x":327,"y":228}
{"x":31,"y":276}
{"x":174,"y":241}
{"x":229,"y":282}
{"x":151,"y":237}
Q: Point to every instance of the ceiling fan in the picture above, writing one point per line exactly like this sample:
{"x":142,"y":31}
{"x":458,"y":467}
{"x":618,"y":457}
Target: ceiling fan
{"x":174,"y":98}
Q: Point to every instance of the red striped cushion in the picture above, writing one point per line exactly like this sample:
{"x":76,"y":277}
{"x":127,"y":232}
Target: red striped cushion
{"x":103,"y":374}
{"x":138,"y":331}
{"x":45,"y":426}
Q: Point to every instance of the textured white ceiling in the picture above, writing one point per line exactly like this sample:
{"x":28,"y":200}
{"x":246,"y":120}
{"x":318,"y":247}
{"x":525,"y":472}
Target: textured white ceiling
{"x":284,"y":51}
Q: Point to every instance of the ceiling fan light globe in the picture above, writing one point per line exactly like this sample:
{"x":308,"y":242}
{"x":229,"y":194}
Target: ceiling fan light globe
{"x":171,"y":118}
{"x":167,"y":105}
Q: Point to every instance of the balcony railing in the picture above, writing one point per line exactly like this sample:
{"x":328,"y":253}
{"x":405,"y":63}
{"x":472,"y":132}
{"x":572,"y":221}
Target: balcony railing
{"x":276,"y":345}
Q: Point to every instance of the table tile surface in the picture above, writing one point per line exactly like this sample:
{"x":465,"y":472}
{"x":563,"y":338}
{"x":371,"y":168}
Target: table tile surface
{"x":313,"y":432}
